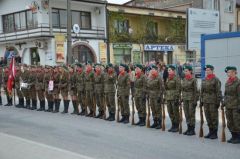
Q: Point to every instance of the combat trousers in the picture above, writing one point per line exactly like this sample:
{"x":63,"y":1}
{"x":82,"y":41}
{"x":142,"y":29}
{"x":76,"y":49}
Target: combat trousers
{"x":173,"y":111}
{"x":189,"y":111}
{"x":82,"y":100}
{"x":124,"y":105}
{"x":140,"y":103}
{"x":99,"y":101}
{"x":110,"y":101}
{"x":89,"y":99}
{"x":233,"y":120}
{"x":155,"y":104}
{"x":211,"y":114}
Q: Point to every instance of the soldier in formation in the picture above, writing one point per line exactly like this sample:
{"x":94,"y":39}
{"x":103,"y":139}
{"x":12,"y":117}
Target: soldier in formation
{"x":95,"y":90}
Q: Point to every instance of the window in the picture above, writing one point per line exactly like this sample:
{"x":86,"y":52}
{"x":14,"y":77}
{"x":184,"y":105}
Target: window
{"x":59,"y":16}
{"x":85,"y":20}
{"x":55,"y":18}
{"x":229,"y":6}
{"x":63,"y":18}
{"x":216,"y":4}
{"x":8,"y":23}
{"x":152,"y":29}
{"x":231,"y":27}
{"x":76,"y":18}
{"x":31,"y":19}
{"x":19,"y":21}
{"x":121,"y":26}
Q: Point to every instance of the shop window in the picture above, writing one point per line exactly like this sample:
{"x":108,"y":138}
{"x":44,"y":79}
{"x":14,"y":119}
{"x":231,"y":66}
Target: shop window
{"x":170,"y":57}
{"x":122,"y":56}
{"x":35,"y":59}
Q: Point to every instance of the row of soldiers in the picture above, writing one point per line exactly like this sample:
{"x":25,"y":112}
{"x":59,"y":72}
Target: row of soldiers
{"x":92,"y":86}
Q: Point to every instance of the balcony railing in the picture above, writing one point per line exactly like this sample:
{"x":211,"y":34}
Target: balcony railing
{"x":44,"y":30}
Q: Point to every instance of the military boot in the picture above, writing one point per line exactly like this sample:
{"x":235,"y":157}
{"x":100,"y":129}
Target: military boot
{"x":214,"y":134}
{"x":75,"y":108}
{"x":139,"y":121}
{"x":28,"y":104}
{"x":191,"y":131}
{"x":188,"y":129}
{"x":209,"y":133}
{"x":20,"y":105}
{"x":82,"y":112}
{"x":143,"y":121}
{"x":10,"y":102}
{"x":236,"y":140}
{"x":126,"y":121}
{"x":111,"y":117}
{"x":49,"y":103}
{"x":122,"y":119}
{"x":66,"y":105}
{"x":90,"y":114}
{"x":100,"y":114}
{"x":42,"y":105}
{"x":34,"y":104}
{"x":57,"y":105}
{"x":159,"y":124}
{"x":175,"y":127}
{"x":0,"y":100}
{"x":155,"y":123}
{"x":170,"y":130}
{"x":7,"y":101}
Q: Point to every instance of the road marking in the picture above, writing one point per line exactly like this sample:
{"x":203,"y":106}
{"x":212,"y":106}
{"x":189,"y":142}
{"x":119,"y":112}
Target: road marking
{"x":44,"y":146}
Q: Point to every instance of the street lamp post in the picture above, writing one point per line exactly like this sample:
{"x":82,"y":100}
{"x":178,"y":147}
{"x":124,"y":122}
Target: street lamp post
{"x":69,"y":33}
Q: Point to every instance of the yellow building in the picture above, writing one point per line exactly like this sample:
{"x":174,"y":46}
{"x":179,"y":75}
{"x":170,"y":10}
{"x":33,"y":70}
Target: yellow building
{"x":141,"y":35}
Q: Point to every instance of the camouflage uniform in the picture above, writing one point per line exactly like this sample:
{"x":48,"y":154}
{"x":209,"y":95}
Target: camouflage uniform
{"x":64,"y":90}
{"x":73,"y":91}
{"x":140,"y":98}
{"x":26,"y":92}
{"x":109,"y":92}
{"x":232,"y":104}
{"x":48,"y":76}
{"x":123,"y":90}
{"x":89,"y":91}
{"x":19,"y":92}
{"x":172,"y":96}
{"x":190,"y":97}
{"x":210,"y":98}
{"x":99,"y":93}
{"x":40,"y":88}
{"x":32,"y":89}
{"x":155,"y":92}
{"x":56,"y":90}
{"x":80,"y":85}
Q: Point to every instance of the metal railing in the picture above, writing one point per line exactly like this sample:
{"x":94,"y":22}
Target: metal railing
{"x":44,"y":30}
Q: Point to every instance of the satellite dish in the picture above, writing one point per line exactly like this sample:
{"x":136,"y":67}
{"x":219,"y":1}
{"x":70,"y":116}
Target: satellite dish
{"x":76,"y":28}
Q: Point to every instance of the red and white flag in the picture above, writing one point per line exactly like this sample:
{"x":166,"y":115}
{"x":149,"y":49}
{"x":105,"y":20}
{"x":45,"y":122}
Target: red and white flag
{"x":11,"y":76}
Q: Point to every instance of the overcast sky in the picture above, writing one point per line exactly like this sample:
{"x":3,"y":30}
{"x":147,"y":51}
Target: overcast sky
{"x":117,"y":1}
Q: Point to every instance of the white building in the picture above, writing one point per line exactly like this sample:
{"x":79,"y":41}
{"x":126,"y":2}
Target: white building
{"x":36,"y":30}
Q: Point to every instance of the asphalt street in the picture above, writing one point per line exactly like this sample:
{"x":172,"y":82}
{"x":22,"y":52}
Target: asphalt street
{"x":27,"y":134}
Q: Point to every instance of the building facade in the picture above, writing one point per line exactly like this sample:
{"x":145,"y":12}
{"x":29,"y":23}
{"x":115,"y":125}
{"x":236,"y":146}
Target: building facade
{"x":227,"y":9}
{"x":143,"y":35}
{"x":36,"y":30}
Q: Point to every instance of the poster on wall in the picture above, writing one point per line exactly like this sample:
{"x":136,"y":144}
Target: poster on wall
{"x":60,"y":53}
{"x":103,"y":52}
{"x":201,"y":21}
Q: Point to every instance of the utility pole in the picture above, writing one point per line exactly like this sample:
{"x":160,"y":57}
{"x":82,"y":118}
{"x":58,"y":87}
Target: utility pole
{"x":69,"y":33}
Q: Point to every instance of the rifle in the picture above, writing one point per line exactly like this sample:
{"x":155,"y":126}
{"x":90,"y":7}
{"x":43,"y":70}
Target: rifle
{"x":118,"y":109}
{"x":223,"y":125}
{"x":180,"y":118}
{"x":201,"y":122}
{"x":133,"y":110}
{"x":163,"y":116}
{"x":148,"y":114}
